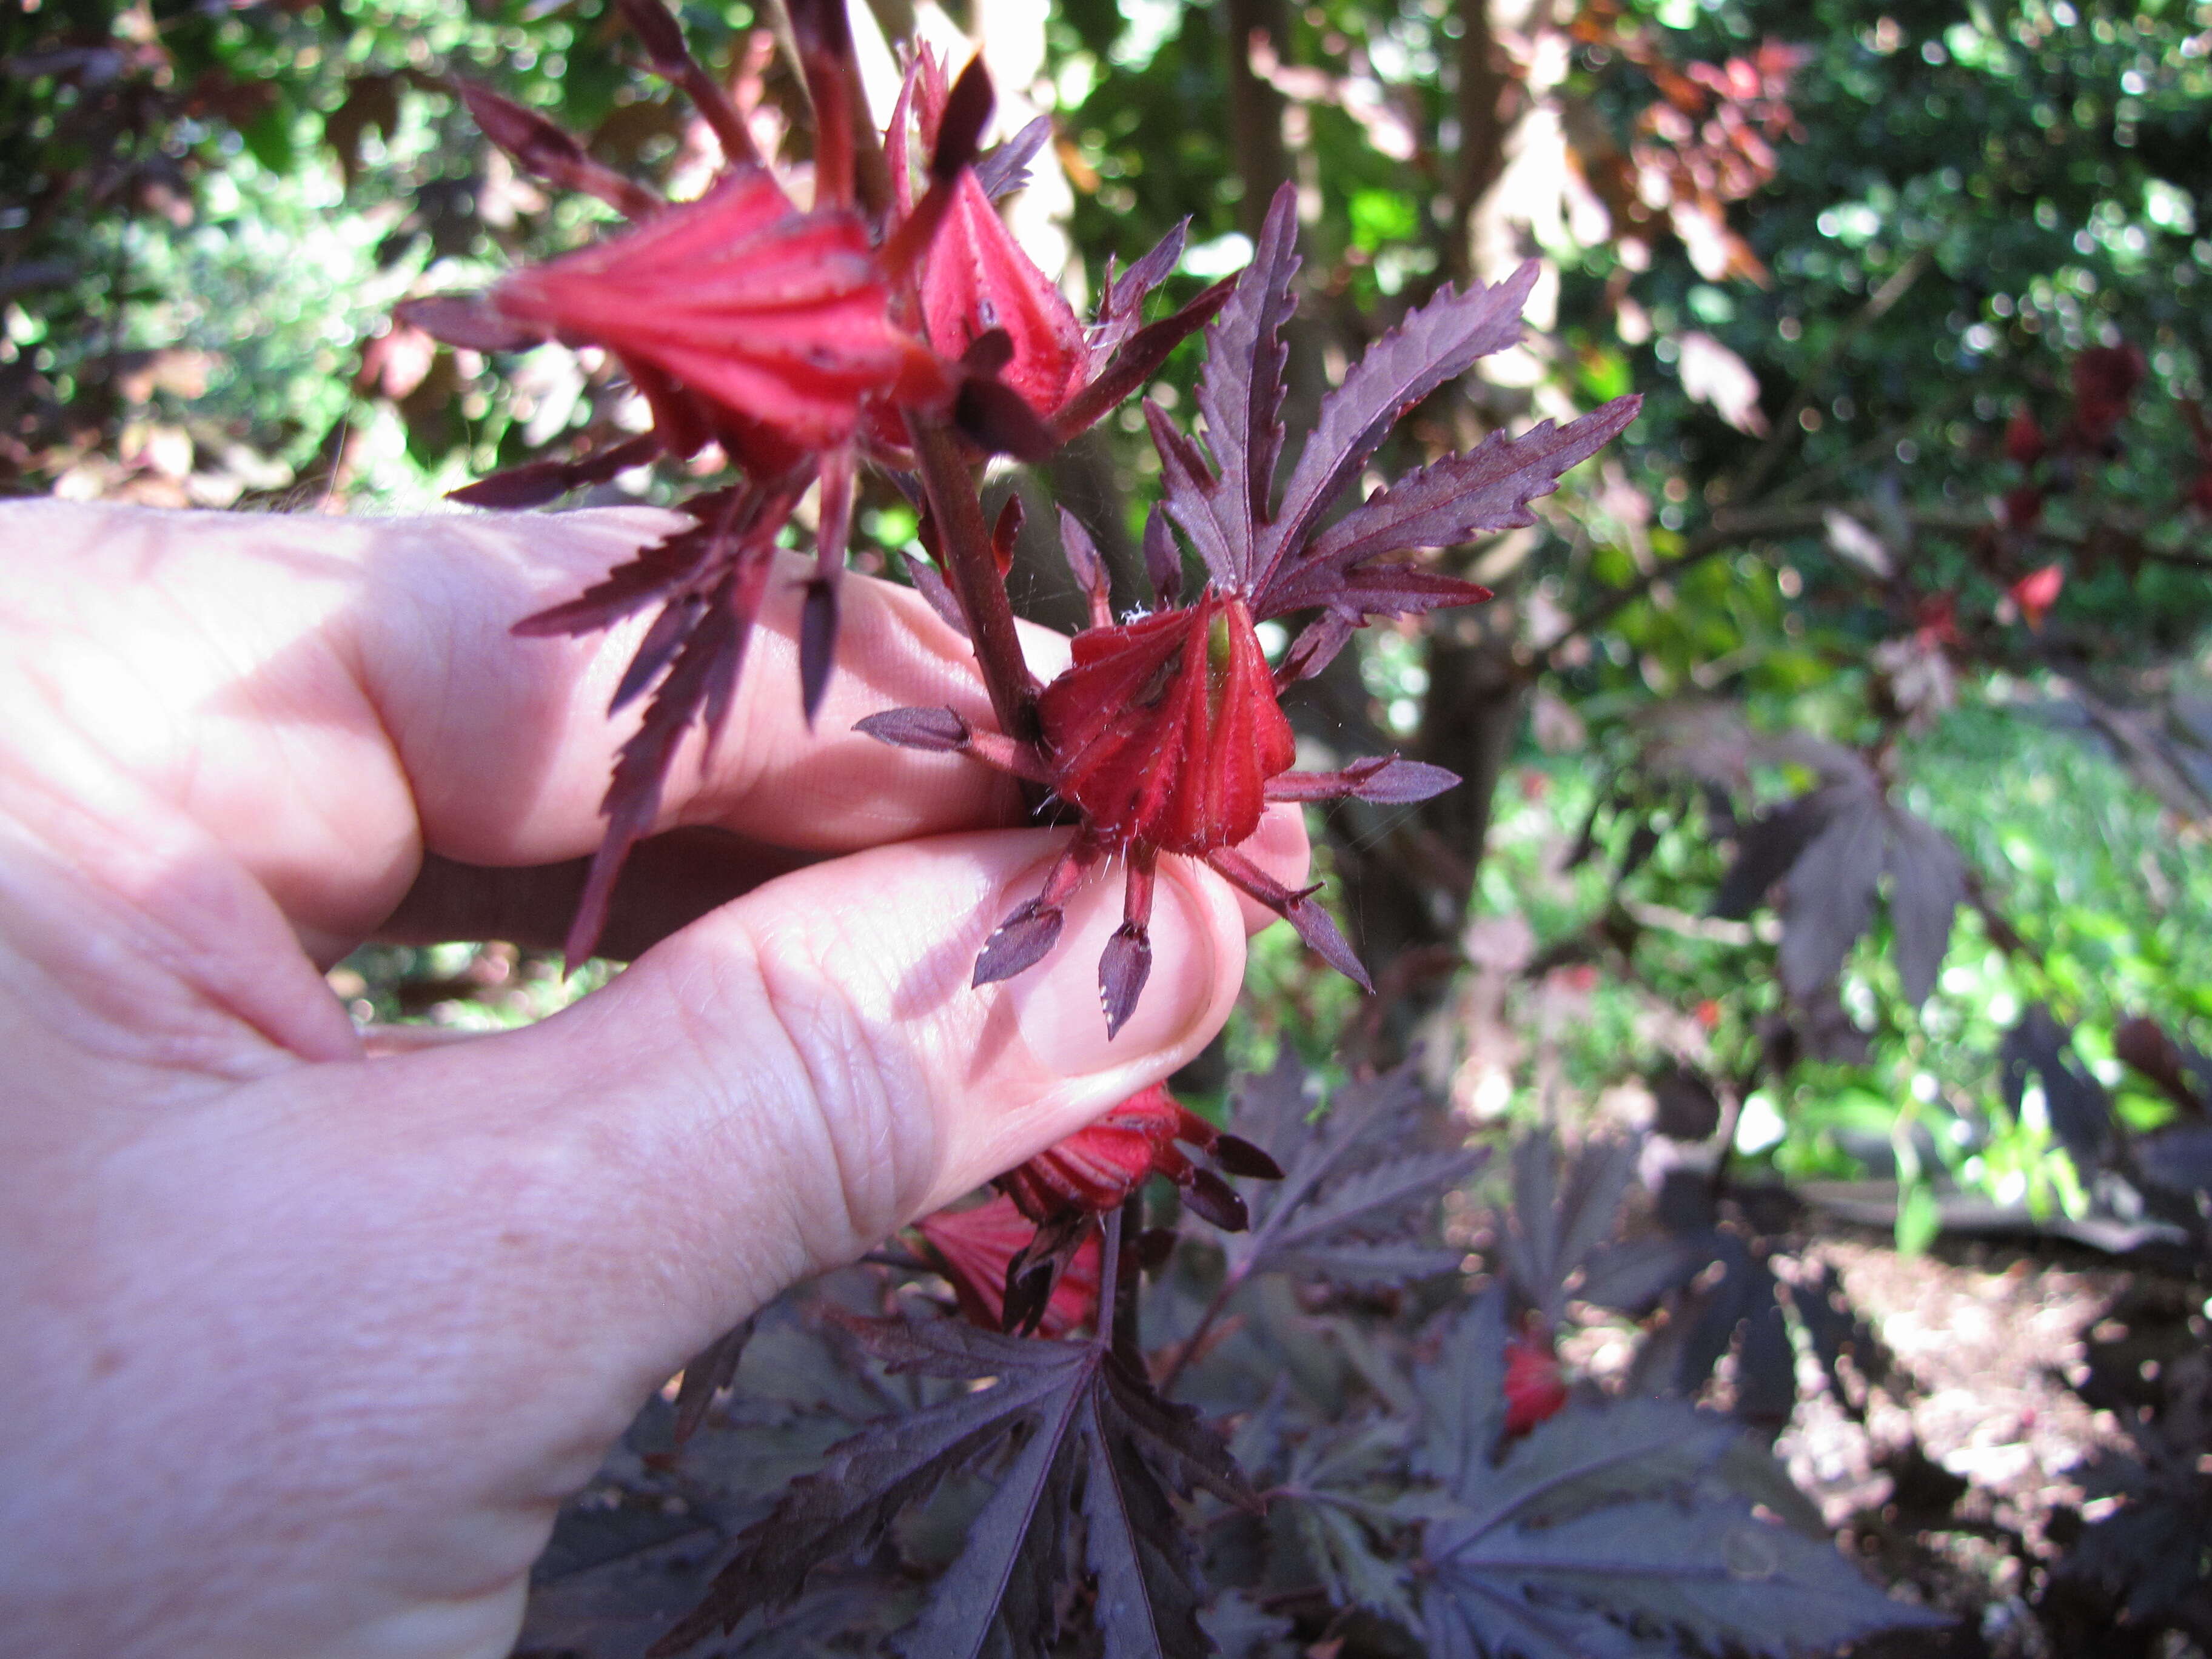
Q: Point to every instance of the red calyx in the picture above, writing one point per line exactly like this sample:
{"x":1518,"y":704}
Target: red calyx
{"x":977,"y":1246}
{"x":1096,"y":1169}
{"x":978,"y":279}
{"x":1166,"y":730}
{"x":777,"y":321}
{"x":1534,"y":1388}
{"x":2036,"y":592}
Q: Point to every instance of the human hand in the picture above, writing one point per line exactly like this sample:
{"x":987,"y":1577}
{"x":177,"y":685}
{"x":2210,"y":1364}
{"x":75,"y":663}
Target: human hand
{"x":305,"y":1347}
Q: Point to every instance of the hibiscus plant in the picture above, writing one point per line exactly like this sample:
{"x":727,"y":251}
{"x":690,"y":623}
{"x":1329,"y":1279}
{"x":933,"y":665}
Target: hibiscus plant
{"x":880,"y":315}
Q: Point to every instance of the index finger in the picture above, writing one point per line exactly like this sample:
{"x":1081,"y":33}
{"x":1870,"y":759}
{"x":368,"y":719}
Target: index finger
{"x":329,"y":700}
{"x":526,"y":719}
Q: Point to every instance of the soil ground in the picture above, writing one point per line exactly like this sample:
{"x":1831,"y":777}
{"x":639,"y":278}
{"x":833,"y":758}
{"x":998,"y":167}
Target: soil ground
{"x":1969,"y":1452}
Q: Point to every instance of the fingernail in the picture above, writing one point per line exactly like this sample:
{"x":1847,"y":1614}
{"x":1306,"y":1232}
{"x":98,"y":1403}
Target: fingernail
{"x":1057,"y":1004}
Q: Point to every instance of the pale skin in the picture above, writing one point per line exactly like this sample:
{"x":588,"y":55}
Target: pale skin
{"x":305,"y":1345}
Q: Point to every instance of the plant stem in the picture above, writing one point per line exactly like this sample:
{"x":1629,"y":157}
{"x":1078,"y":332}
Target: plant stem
{"x":974,"y":574}
{"x":1128,"y":1222}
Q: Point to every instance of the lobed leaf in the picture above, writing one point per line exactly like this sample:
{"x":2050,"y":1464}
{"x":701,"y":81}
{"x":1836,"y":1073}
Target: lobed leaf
{"x":2080,"y":1111}
{"x":1359,"y":1187}
{"x":1121,"y":300}
{"x":1004,"y":168}
{"x":1434,"y":345}
{"x":1240,"y":392}
{"x":1829,"y":893}
{"x":1927,"y":883}
{"x":1556,"y":1224}
{"x":1440,"y":505}
{"x":1604,"y":1529}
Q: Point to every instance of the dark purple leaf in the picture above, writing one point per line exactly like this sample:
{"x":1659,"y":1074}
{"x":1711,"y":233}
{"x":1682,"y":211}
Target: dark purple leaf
{"x":2079,"y":1111}
{"x":1611,"y":1520}
{"x":539,"y":147}
{"x":1451,"y":501}
{"x":1360,"y":1185}
{"x":1163,"y":560}
{"x":536,"y":482}
{"x":1927,"y":883}
{"x":1121,"y":301}
{"x":1837,"y":1333}
{"x":1314,"y":924}
{"x":1738,"y":1313}
{"x":1765,"y":1363}
{"x":1631,"y":1275}
{"x":1186,"y":487}
{"x":1004,"y":168}
{"x":705,"y":1375}
{"x":705,"y":667}
{"x":690,"y":558}
{"x":1087,"y":568}
{"x":1136,"y":360}
{"x":1240,"y":392}
{"x":1559,"y":1218}
{"x":1768,"y":847}
{"x":468,"y":322}
{"x":1386,"y":779}
{"x":1394,"y":588}
{"x":1049,"y":1412}
{"x":1433,"y":346}
{"x":1686,"y":1107}
{"x":1023,"y":940}
{"x":1462,"y":1397}
{"x":1241,"y":1629}
{"x":1315,"y":646}
{"x":937,"y":731}
{"x":669,"y":631}
{"x":867,"y":1479}
{"x":1829,"y":893}
{"x":932,"y":586}
{"x":1122,"y":970}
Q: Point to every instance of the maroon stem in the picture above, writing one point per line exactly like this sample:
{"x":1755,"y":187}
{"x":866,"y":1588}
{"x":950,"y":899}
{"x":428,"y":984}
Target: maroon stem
{"x":974,"y":572}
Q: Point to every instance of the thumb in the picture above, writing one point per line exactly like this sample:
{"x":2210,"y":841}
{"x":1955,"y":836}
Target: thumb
{"x":785,"y":1082}
{"x":441,"y":1283}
